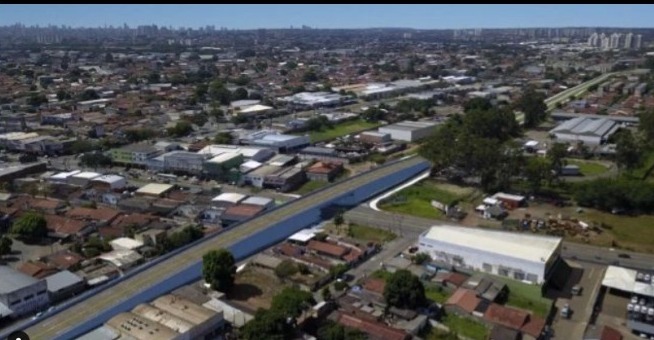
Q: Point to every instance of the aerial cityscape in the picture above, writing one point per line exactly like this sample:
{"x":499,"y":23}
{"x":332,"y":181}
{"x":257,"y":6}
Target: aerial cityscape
{"x":473,"y":172}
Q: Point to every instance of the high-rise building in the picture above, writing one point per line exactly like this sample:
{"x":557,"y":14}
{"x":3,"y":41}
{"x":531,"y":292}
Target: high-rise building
{"x":605,"y":42}
{"x":638,"y":40}
{"x":594,"y":40}
{"x":615,"y":40}
{"x":628,"y":39}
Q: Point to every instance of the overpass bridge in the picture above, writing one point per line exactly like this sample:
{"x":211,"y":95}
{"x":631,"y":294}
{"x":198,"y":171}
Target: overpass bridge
{"x":184,"y":265}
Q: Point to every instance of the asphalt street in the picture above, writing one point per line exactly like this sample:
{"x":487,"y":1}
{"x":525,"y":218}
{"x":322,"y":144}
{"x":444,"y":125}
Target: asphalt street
{"x":414,"y":226}
{"x":83,"y":311}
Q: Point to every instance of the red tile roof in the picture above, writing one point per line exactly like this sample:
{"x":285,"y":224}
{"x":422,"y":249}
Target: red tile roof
{"x":243,"y":210}
{"x":375,"y":285}
{"x":534,"y":326}
{"x":456,"y":279}
{"x":65,"y":259}
{"x":323,"y":167}
{"x":327,"y":248}
{"x":509,"y":317}
{"x":139,"y":220}
{"x":37,"y":269}
{"x":466,"y":299}
{"x":99,"y":214}
{"x":609,"y":333}
{"x":375,"y":330}
{"x":63,"y":225}
{"x":44,"y":204}
{"x":352,"y":256}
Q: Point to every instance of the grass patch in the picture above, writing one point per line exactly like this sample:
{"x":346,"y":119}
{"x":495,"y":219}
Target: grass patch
{"x":629,"y":232}
{"x":526,"y":296}
{"x":642,"y":171}
{"x":465,"y":327}
{"x":381,"y":274}
{"x":436,"y":293}
{"x":361,"y":232}
{"x":416,"y":200}
{"x":588,"y":168}
{"x":342,"y":129}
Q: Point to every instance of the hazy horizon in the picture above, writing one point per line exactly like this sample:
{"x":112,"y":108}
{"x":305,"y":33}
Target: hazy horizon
{"x":244,"y":17}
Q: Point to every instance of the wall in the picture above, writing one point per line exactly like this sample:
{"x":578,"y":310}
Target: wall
{"x":242,"y":249}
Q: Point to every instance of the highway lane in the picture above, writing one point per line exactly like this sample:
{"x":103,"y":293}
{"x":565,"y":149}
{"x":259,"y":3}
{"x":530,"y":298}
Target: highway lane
{"x":562,"y":96}
{"x":411,"y":226}
{"x":85,"y":310}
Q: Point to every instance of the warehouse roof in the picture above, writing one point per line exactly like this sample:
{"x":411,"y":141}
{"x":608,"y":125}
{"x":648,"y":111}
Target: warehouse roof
{"x":109,"y":179}
{"x":62,"y":280}
{"x":154,"y":189}
{"x":100,"y":333}
{"x":86,"y":175}
{"x":173,"y":322}
{"x":587,"y":126}
{"x":12,"y":280}
{"x":184,"y":308}
{"x":140,"y":327}
{"x":231,"y":197}
{"x":625,"y":279}
{"x":530,"y":247}
{"x":407,"y":126}
{"x":257,"y":200}
{"x":225,"y":157}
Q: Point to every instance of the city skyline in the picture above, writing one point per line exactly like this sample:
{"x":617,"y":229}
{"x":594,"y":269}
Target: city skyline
{"x":332,"y":16}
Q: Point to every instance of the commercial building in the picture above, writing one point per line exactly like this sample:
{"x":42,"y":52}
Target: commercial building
{"x":82,"y":179}
{"x":21,"y":294}
{"x":408,"y":131}
{"x":255,"y":153}
{"x":639,"y":286}
{"x":523,"y":257}
{"x":372,"y":137}
{"x":184,"y":162}
{"x":111,"y":182}
{"x":586,"y":130}
{"x":219,"y":167}
{"x":315,"y":99}
{"x":256,"y":177}
{"x":135,"y":154}
{"x":227,"y":199}
{"x":155,"y":189}
{"x":276,"y":141}
{"x":63,"y":285}
{"x":285,"y":179}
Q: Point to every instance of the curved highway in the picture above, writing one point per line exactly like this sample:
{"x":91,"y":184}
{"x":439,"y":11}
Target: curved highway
{"x":59,"y":324}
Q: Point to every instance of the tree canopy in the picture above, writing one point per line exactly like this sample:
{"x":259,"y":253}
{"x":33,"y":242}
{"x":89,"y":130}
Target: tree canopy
{"x":219,"y":269}
{"x":333,"y":331}
{"x":31,"y":226}
{"x":181,"y":129}
{"x":533,"y":105}
{"x":5,"y":245}
{"x":404,"y":290}
{"x":292,"y":301}
{"x":267,"y":324}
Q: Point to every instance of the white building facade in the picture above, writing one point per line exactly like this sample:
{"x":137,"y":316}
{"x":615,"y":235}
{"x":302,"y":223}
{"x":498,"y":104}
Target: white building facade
{"x":521,"y":257}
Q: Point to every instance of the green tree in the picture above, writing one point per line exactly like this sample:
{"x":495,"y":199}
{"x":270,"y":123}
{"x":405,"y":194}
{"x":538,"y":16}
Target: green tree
{"x":218,"y":92}
{"x":139,"y":134}
{"x":332,"y":331}
{"x":477,"y":104}
{"x":5,"y":245}
{"x":628,"y":154}
{"x":95,"y":159}
{"x":181,"y":129}
{"x":267,"y":324}
{"x":219,"y":269}
{"x":63,"y":95}
{"x":404,"y":290}
{"x":326,"y":293}
{"x":339,"y":219}
{"x":36,"y":99}
{"x":285,"y":269}
{"x":240,"y":94}
{"x":310,"y":76}
{"x":556,"y":155}
{"x":532,"y":103}
{"x":421,"y":258}
{"x":223,"y":138}
{"x":646,"y":125}
{"x":154,"y":78}
{"x":201,"y":90}
{"x":292,"y":301}
{"x":536,"y":171}
{"x":31,"y":226}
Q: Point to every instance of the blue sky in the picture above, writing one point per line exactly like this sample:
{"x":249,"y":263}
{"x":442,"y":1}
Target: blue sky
{"x":332,"y":16}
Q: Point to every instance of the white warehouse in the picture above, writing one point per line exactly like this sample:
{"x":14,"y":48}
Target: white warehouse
{"x":523,"y":257}
{"x":587,"y":130}
{"x":409,"y":131}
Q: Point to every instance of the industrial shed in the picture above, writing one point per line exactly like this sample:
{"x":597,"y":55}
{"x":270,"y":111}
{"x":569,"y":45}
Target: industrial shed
{"x":408,"y":131}
{"x":587,"y":130}
{"x":522,"y":257}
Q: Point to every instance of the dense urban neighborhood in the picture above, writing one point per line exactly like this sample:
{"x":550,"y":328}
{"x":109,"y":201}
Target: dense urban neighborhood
{"x":211,"y":183}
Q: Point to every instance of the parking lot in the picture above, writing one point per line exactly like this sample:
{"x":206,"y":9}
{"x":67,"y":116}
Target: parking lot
{"x":581,"y":305}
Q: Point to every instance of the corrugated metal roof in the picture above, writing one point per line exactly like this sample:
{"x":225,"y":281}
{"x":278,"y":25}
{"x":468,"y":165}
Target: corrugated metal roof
{"x":12,"y":280}
{"x":61,"y":280}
